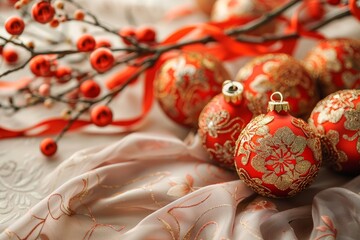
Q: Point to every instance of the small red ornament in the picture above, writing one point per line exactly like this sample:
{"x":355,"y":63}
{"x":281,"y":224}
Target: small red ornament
{"x":335,"y":64}
{"x":279,"y":72}
{"x":14,"y":25}
{"x":101,"y":115}
{"x":41,"y":65}
{"x":10,"y":55}
{"x":276,"y":154}
{"x":337,"y":119}
{"x":48,"y":147}
{"x":90,"y":89}
{"x":102,"y":59}
{"x":86,"y":43}
{"x":221,"y":122}
{"x":186,"y":83}
{"x":43,"y":12}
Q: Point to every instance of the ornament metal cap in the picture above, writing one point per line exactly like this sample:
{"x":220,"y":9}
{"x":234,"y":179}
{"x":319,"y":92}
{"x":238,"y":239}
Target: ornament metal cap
{"x":278,"y":106}
{"x":232,"y":91}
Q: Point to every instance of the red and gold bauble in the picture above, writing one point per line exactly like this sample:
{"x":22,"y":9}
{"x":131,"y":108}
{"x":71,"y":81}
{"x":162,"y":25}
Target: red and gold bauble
{"x":277,"y":155}
{"x":335,"y":64}
{"x":279,"y":72}
{"x":337,"y":119}
{"x":186,"y":83}
{"x":221,"y":122}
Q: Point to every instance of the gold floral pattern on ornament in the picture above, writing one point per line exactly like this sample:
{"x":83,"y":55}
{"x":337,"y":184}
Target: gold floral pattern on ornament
{"x":313,"y":140}
{"x":224,"y":153}
{"x":333,"y":109}
{"x":254,"y":183}
{"x":337,"y":156}
{"x":353,"y":123}
{"x":220,"y":122}
{"x":257,"y":127}
{"x":188,"y":79}
{"x":279,"y":158}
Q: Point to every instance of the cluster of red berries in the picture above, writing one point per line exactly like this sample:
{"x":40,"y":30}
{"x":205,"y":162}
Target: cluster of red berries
{"x":142,"y":35}
{"x":101,"y":116}
{"x":46,"y":66}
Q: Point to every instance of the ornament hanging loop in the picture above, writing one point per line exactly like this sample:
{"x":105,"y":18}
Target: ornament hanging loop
{"x":278,"y":94}
{"x":278,"y":106}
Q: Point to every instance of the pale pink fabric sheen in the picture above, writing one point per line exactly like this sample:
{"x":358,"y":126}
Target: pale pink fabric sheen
{"x":157,"y":187}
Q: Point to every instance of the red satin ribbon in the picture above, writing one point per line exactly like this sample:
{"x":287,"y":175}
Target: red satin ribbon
{"x":225,"y":48}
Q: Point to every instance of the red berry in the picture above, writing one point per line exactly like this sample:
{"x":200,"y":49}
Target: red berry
{"x":1,"y":49}
{"x":48,"y":147}
{"x":90,"y":89}
{"x":101,"y":115}
{"x":44,"y":89}
{"x":103,"y":43}
{"x":79,"y":15}
{"x":63,"y":74}
{"x":41,"y":66}
{"x":54,"y":23}
{"x":145,"y":34}
{"x":102,"y":59}
{"x":127,"y":32}
{"x":315,"y":9}
{"x":15,"y":25}
{"x":10,"y":55}
{"x":86,"y":43}
{"x":43,"y":12}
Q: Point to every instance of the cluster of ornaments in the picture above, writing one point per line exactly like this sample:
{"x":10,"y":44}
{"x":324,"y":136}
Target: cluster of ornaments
{"x":267,"y":141}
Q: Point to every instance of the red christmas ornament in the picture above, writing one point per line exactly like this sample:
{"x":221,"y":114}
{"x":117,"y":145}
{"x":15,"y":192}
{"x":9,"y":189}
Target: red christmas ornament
{"x":337,"y":119}
{"x":86,"y":43}
{"x":48,"y":147}
{"x":279,"y":72}
{"x":101,"y":115}
{"x":276,"y":154}
{"x":14,"y":25}
{"x":43,"y":12}
{"x":186,"y":83}
{"x":102,"y":59}
{"x":335,"y":64}
{"x":90,"y":89}
{"x":221,"y":122}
